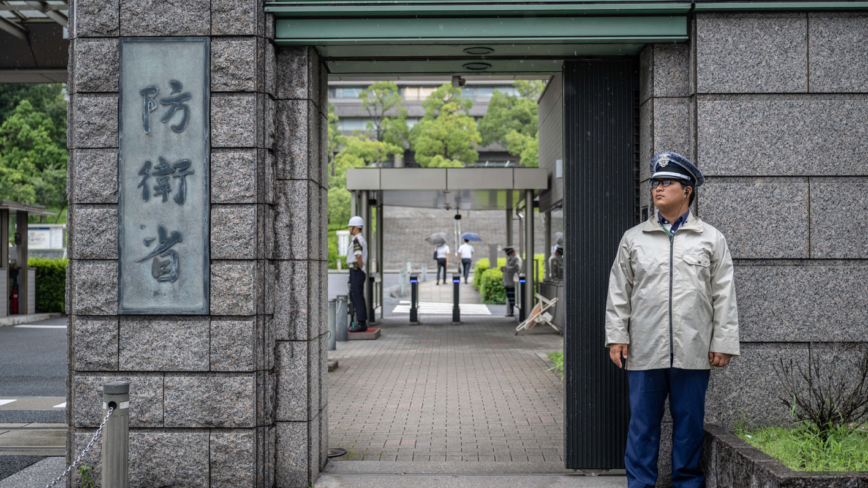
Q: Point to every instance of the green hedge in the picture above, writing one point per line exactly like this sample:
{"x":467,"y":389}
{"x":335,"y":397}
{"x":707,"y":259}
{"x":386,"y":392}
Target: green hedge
{"x":489,"y":282}
{"x":491,"y":287}
{"x":50,"y":284}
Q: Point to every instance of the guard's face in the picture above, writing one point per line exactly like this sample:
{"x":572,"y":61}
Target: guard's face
{"x":672,"y":195}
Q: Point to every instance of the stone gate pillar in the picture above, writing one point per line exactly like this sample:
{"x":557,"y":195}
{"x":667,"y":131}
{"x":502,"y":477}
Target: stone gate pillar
{"x":300,"y":323}
{"x":230,"y":397}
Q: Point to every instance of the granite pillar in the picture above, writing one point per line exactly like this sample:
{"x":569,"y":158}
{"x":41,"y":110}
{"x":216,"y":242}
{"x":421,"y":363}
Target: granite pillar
{"x":299,"y":323}
{"x":203,"y":387}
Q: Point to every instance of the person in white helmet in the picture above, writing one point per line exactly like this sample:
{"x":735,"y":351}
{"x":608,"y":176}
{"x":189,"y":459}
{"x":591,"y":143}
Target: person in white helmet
{"x":357,"y":255}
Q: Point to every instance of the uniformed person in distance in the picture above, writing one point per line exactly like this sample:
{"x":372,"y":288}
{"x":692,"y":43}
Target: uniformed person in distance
{"x":556,"y":264}
{"x":356,"y":259}
{"x":672,"y":282}
{"x":510,"y":277}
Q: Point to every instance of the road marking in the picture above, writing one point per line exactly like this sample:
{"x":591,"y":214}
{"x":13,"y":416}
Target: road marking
{"x":40,"y":326}
{"x":62,"y":405}
{"x":4,"y":402}
{"x":435,"y":308}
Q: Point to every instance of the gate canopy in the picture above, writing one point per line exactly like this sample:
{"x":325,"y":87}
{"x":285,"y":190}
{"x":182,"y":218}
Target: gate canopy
{"x":449,"y":188}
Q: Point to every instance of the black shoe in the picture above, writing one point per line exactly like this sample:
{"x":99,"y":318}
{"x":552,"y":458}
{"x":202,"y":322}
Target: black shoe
{"x":509,"y":315}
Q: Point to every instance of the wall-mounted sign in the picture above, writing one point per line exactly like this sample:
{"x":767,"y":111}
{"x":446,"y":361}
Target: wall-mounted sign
{"x":45,"y":236}
{"x":164,"y":111}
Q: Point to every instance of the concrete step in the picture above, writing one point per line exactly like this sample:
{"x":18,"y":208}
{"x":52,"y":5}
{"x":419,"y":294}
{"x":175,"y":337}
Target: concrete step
{"x":469,"y":481}
{"x":373,"y":474}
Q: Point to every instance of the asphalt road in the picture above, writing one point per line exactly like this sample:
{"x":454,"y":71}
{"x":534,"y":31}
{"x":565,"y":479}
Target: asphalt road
{"x":33,"y":361}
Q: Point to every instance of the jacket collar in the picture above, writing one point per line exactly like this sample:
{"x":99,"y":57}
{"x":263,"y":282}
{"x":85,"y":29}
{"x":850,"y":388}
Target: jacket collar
{"x":693,"y":223}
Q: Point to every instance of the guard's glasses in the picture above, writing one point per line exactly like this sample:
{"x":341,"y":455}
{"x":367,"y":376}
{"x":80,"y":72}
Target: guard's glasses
{"x":665,"y":183}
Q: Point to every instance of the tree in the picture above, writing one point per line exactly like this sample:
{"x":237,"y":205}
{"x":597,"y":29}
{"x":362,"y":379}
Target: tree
{"x":335,"y":139}
{"x":512,"y":121}
{"x":358,"y":151}
{"x":447,"y":134}
{"x":32,"y":164}
{"x":388,"y":123}
{"x":47,"y":98}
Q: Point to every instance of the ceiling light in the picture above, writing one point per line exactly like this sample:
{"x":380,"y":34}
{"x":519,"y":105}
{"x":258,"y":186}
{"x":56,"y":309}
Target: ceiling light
{"x":477,"y":66}
{"x":478,"y":50}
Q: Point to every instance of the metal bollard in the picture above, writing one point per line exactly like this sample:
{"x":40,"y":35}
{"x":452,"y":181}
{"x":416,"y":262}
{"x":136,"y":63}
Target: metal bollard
{"x":456,"y":309}
{"x":522,"y":285}
{"x":332,"y":325}
{"x":414,"y":299}
{"x":116,"y":437}
{"x":341,"y":318}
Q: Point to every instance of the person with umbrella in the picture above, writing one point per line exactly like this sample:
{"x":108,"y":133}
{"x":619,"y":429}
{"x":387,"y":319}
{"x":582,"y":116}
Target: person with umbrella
{"x":465,"y":252}
{"x":441,"y":254}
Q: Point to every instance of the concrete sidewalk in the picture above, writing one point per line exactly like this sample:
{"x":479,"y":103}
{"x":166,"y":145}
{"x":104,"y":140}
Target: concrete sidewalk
{"x":37,"y":475}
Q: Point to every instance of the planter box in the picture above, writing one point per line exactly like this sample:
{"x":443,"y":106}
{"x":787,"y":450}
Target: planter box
{"x":731,"y":462}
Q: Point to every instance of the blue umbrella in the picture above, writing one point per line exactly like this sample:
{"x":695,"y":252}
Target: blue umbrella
{"x":470,"y":236}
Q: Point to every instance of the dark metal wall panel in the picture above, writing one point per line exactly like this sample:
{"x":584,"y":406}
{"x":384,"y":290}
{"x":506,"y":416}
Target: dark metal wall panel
{"x":599,"y":205}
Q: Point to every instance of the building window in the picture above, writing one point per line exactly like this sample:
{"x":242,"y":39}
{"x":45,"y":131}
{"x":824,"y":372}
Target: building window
{"x":350,"y":124}
{"x":414,"y":93}
{"x":345,"y":91}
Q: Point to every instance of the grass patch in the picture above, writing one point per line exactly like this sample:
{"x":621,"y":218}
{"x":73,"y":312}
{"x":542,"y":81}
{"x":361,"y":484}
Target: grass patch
{"x":558,"y":359}
{"x":803,"y":449}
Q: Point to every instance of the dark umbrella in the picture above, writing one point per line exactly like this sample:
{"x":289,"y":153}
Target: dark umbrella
{"x":438,"y":238}
{"x":470,"y":236}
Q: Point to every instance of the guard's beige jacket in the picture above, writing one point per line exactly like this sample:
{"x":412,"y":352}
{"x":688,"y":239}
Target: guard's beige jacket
{"x":672,"y":297}
{"x":513,"y":266}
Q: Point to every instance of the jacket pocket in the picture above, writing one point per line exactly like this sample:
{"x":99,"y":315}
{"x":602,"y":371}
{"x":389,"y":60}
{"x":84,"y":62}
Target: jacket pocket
{"x":697,"y":260}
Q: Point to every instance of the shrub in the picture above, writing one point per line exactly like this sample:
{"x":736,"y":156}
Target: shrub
{"x":491,"y":287}
{"x":825,"y":395}
{"x":50,"y":284}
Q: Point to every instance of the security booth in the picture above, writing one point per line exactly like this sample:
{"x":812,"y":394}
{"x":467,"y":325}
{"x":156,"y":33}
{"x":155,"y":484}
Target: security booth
{"x":17,"y":279}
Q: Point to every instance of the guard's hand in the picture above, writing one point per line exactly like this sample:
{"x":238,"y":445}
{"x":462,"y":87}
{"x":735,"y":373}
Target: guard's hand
{"x":615,"y":353}
{"x":719,"y":359}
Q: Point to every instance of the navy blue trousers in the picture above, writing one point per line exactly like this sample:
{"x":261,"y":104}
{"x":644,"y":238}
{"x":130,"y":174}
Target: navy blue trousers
{"x":648,"y":392}
{"x":357,"y":295}
{"x":465,"y":265}
{"x":510,"y":299}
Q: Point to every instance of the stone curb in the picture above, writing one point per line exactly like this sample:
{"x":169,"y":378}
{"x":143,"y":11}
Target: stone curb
{"x":28,"y":319}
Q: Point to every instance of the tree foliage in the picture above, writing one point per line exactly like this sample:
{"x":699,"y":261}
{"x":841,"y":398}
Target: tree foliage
{"x":32,"y":164}
{"x":46,"y":98}
{"x":447,"y":135}
{"x":512,"y":121}
{"x":388,"y":123}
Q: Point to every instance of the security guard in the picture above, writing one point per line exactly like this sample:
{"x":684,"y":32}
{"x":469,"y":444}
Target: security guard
{"x":510,"y":277}
{"x":356,"y":259}
{"x":672,"y":304}
{"x":556,"y":264}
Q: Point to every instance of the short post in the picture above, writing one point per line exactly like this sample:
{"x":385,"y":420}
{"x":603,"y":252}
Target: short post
{"x":456,"y":310}
{"x":370,"y":299}
{"x":116,"y":435}
{"x":414,"y":299}
{"x":341,"y":319}
{"x":522,"y":284}
{"x":333,"y":330}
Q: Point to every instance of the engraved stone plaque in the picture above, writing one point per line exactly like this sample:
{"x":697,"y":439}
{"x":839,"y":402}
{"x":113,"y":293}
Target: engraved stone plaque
{"x":164,"y":176}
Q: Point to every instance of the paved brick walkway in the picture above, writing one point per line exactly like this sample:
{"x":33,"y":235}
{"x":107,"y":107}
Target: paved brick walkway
{"x":431,"y":292}
{"x":441,"y":392}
